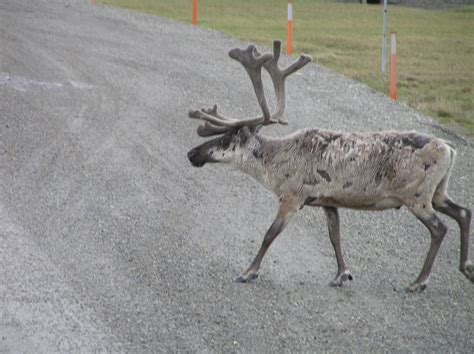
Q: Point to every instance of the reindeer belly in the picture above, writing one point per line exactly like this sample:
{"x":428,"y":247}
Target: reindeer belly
{"x":366,"y":194}
{"x":354,"y":202}
{"x":368,"y":203}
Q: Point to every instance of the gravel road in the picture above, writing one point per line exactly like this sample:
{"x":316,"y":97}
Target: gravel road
{"x":110,"y":240}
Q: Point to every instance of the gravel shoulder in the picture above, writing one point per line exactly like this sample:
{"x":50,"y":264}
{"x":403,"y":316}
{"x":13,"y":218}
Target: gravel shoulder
{"x":111,"y":241}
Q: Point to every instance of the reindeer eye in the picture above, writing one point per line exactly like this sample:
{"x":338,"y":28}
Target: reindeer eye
{"x":225,"y":142}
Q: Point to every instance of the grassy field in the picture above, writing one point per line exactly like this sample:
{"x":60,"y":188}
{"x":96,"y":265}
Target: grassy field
{"x":435,"y":48}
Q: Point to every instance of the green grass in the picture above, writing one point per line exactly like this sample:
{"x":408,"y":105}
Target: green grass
{"x":435,"y":48}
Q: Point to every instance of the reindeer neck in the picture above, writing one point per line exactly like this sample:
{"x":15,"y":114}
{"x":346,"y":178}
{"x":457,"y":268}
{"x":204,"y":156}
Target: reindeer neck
{"x":265,"y":159}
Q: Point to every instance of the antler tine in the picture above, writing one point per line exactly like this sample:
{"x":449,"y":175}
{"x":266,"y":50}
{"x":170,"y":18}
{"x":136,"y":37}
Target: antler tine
{"x":279,"y":76}
{"x":207,"y":129}
{"x":226,"y":123}
{"x":252,"y":61}
{"x":213,"y":112}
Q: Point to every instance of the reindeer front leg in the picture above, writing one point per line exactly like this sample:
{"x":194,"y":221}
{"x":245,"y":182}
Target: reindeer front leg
{"x":343,"y":273}
{"x":285,"y":212}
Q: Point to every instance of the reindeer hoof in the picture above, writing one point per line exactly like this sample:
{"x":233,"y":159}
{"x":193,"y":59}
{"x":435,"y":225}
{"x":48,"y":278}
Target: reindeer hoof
{"x":246,"y":278}
{"x":416,"y":288}
{"x":341,"y":278}
{"x":468,"y":271}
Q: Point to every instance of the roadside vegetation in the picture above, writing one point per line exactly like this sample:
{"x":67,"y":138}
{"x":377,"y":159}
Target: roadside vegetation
{"x":435,"y":48}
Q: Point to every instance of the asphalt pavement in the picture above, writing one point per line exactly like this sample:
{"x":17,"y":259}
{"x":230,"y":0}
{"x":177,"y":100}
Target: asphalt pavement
{"x":111,"y":241}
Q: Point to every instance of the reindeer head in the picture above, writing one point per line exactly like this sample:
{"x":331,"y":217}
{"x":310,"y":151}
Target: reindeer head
{"x":238,"y":134}
{"x":227,"y":148}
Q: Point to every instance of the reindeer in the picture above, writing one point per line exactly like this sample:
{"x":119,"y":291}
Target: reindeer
{"x":321,"y":168}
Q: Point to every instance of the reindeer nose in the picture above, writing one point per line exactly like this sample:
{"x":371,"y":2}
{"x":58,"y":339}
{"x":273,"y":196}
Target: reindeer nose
{"x":192,"y":153}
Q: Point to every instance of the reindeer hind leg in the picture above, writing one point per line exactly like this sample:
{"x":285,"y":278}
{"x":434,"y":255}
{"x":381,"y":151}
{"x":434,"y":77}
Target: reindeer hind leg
{"x":425,"y":213}
{"x":343,"y":273}
{"x":442,"y":203}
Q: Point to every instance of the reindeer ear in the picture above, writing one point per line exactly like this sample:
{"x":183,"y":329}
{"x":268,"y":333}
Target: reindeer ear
{"x":244,"y":133}
{"x":257,"y":128}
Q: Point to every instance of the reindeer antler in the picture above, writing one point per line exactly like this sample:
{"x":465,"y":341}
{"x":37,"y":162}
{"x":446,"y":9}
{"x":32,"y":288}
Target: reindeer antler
{"x":279,"y":76}
{"x":252,"y":61}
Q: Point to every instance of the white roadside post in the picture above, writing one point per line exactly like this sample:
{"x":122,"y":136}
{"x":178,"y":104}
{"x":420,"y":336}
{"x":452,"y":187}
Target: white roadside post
{"x":384,"y":37}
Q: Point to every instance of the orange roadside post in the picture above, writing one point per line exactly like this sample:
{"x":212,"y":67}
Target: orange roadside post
{"x":93,"y":2}
{"x":393,"y":66}
{"x":289,"y":29}
{"x":195,"y":13}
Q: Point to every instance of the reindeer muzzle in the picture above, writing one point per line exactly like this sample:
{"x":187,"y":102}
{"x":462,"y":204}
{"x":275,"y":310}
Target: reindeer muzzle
{"x":197,"y":158}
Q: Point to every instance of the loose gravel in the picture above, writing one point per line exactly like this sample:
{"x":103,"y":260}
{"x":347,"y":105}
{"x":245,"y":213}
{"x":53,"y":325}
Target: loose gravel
{"x":111,"y":241}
